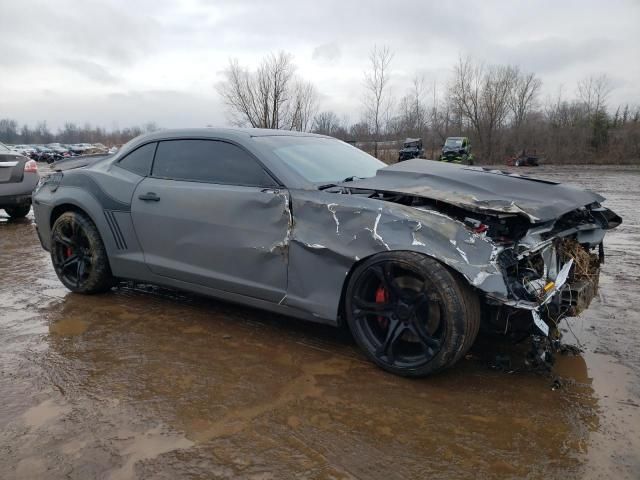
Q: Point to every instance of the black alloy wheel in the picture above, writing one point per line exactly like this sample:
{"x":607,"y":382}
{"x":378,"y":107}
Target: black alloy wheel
{"x":78,"y":254}
{"x":410,"y":314}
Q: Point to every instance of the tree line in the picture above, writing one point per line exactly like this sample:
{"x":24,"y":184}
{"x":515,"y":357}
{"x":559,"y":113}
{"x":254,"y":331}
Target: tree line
{"x":499,"y":107}
{"x":13,"y":133}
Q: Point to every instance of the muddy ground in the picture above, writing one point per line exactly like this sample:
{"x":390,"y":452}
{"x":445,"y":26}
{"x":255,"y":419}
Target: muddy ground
{"x":143,"y":383}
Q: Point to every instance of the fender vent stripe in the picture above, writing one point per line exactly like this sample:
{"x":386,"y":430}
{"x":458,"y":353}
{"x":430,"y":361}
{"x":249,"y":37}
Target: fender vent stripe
{"x":121,"y":244}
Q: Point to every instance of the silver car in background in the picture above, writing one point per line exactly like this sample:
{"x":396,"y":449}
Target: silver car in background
{"x":18,"y":178}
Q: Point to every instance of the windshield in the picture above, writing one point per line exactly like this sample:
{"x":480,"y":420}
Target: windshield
{"x":4,"y":148}
{"x":322,"y":160}
{"x":453,"y":142}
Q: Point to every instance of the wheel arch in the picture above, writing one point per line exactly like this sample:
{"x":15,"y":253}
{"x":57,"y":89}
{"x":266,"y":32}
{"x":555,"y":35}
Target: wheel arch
{"x":79,"y":201}
{"x":58,"y":210}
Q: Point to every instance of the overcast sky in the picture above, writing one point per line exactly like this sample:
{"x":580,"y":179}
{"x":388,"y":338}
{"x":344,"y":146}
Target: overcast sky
{"x":117,"y":63}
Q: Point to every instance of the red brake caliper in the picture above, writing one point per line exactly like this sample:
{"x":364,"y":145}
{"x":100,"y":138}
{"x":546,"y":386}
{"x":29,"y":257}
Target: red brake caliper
{"x":382,"y":296}
{"x":68,"y":252}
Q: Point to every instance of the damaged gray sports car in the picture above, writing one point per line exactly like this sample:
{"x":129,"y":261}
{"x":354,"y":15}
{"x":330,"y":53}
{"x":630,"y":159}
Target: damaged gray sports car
{"x":413,"y":257}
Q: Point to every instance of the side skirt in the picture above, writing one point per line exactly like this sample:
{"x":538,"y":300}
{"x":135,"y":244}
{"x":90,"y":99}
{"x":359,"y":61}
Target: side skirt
{"x":159,"y":280}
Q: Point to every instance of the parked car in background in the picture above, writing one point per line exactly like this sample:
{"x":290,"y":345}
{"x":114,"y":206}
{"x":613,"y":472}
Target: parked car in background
{"x":524,"y":159}
{"x":56,"y":147}
{"x":100,"y":146}
{"x":457,"y":150}
{"x":411,"y":148}
{"x":412,"y":256}
{"x":80,"y":148}
{"x":25,"y":150}
{"x":18,"y":178}
{"x":44,"y":154}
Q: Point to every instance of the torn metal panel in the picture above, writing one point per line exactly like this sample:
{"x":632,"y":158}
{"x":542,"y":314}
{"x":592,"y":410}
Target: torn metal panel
{"x":330,"y":236}
{"x":282,"y":246}
{"x":478,"y":189}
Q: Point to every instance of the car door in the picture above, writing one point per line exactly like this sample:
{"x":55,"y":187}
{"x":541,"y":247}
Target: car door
{"x":210,"y":214}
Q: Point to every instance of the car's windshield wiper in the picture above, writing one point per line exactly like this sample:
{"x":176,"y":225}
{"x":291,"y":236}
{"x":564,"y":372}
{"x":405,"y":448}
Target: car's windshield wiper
{"x":348,"y":179}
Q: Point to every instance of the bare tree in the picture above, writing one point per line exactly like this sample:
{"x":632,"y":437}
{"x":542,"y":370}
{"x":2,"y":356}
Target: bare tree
{"x":377,"y":100}
{"x":326,"y":123}
{"x":524,"y":93}
{"x":481,"y":96}
{"x":304,"y":104}
{"x":412,"y":110}
{"x":270,"y":97}
{"x":594,"y":92}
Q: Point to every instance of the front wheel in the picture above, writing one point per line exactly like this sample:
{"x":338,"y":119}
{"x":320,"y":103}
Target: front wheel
{"x":19,"y":211}
{"x":78,"y":254}
{"x":409,"y":313}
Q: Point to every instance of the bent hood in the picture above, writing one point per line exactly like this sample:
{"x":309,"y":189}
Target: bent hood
{"x":479,"y":189}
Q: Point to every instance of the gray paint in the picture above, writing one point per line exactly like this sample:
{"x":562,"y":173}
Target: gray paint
{"x":226,"y":237}
{"x":332,"y":232}
{"x":19,"y":189}
{"x":16,"y":185}
{"x":479,"y":189}
{"x":291,"y":249}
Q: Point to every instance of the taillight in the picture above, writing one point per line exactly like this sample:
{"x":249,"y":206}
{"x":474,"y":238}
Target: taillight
{"x":31,"y":167}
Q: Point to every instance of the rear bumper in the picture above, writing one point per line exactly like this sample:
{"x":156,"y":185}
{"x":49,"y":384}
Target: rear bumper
{"x":14,"y":200}
{"x":12,"y":194}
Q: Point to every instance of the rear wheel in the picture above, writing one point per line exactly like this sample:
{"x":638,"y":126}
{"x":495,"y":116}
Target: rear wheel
{"x":19,"y":211}
{"x":78,"y":254}
{"x":409,"y":314}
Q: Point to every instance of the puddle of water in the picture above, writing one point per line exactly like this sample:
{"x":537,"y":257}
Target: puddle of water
{"x":69,"y":327}
{"x":620,"y":420}
{"x":244,"y":394}
{"x":146,"y":446}
{"x":46,"y":412}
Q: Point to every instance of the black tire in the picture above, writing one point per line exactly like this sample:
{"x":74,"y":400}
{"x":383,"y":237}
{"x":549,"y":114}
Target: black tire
{"x":19,"y":211}
{"x":425,"y":319}
{"x":78,"y":254}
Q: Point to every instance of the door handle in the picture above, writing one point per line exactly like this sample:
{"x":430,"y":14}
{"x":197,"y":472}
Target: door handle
{"x":149,"y":197}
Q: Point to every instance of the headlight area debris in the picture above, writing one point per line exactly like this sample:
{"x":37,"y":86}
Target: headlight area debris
{"x":554,"y":282}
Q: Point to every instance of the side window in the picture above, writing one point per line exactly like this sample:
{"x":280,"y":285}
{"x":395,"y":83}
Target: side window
{"x":208,"y":161}
{"x":139,"y":161}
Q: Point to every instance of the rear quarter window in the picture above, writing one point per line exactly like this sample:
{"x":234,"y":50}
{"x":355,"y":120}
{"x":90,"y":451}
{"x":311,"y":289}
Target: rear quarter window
{"x":140,"y":160}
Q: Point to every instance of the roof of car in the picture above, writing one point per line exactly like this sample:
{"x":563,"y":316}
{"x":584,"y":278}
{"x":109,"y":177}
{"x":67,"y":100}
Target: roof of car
{"x":239,"y":135}
{"x":224,"y":132}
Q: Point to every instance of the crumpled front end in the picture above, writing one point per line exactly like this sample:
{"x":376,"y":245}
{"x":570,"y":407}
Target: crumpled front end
{"x":552,"y":271}
{"x":531,"y":273}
